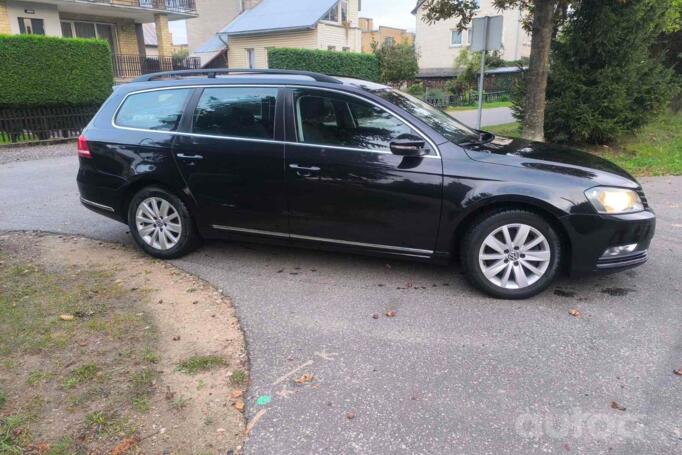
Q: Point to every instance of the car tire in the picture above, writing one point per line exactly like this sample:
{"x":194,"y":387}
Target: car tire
{"x":511,"y":254}
{"x":161,"y":224}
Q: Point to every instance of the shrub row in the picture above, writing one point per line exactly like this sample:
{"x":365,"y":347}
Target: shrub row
{"x":363,"y":66}
{"x":49,"y":71}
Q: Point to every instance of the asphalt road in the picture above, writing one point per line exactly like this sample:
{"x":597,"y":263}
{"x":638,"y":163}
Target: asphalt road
{"x":453,"y":372}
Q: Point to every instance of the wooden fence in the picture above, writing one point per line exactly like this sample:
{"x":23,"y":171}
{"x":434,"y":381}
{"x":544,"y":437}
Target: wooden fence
{"x":445,"y":101}
{"x":43,"y":124}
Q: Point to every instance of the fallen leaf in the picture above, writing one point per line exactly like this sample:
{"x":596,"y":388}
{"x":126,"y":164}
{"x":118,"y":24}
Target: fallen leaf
{"x":350,"y":415}
{"x":375,"y":316}
{"x":124,"y":446}
{"x":239,"y":405}
{"x":305,"y":378}
{"x":391,"y":314}
{"x":169,"y":394}
{"x":236,"y":394}
{"x":616,"y":406}
{"x":573,"y":312}
{"x":66,"y":317}
{"x":678,"y":372}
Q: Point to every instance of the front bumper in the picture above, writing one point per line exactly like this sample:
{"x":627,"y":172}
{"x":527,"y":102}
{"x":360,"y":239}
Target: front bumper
{"x":592,"y":235}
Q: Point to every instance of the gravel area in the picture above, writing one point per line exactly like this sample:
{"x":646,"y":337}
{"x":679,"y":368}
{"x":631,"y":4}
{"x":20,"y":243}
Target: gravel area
{"x":36,"y":152}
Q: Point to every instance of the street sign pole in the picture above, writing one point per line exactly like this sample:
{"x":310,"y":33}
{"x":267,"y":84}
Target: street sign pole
{"x":481,"y":77}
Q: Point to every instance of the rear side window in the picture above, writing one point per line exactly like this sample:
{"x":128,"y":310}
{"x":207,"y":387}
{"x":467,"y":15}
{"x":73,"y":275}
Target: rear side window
{"x":244,"y":112}
{"x":158,"y":110}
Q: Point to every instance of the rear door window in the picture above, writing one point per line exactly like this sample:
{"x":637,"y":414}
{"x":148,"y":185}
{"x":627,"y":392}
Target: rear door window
{"x":241,"y":112}
{"x":159,"y":110}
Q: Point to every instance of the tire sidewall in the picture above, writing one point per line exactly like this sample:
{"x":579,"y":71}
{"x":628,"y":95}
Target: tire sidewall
{"x":485,"y":227}
{"x":187,"y":236}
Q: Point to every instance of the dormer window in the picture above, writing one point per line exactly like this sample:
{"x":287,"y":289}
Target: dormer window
{"x":333,"y":14}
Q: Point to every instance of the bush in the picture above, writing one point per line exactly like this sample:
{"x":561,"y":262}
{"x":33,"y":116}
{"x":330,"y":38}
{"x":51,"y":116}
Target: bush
{"x":605,"y":80}
{"x":397,"y":63}
{"x":351,"y":64}
{"x":48,"y":71}
{"x":416,"y":89}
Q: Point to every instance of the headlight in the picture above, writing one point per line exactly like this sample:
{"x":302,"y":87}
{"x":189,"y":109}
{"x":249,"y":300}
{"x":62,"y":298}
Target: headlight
{"x":614,"y":200}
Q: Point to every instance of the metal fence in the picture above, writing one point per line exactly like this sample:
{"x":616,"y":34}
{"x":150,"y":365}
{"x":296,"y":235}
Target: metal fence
{"x":131,"y":66}
{"x":445,"y":101}
{"x":43,"y":124}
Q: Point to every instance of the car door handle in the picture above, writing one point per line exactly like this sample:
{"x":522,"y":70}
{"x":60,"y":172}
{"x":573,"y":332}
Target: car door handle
{"x":189,"y":157}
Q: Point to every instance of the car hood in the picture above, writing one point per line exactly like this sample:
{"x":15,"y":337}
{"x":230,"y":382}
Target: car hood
{"x":551,"y":158}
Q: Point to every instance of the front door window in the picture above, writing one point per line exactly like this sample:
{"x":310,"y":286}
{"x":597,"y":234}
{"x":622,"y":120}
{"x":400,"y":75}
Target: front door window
{"x":79,"y":29}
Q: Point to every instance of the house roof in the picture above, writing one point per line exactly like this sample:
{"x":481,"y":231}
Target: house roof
{"x":270,"y":16}
{"x":276,"y":15}
{"x":416,"y":8}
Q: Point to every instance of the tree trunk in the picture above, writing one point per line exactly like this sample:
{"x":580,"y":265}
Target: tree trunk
{"x":538,"y":70}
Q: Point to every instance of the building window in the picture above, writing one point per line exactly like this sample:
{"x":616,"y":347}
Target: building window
{"x":333,"y":14}
{"x":331,"y":48}
{"x":251,"y":58}
{"x":79,"y":29}
{"x":346,"y":49}
{"x":456,"y":39}
{"x":29,"y":26}
{"x":389,"y":41}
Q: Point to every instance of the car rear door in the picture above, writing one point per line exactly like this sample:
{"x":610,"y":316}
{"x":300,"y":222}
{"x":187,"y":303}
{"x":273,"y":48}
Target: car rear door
{"x":344,"y":185}
{"x":231,"y":155}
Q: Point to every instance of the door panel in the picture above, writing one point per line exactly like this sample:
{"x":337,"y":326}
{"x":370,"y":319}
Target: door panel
{"x":350,"y":188}
{"x":230,"y":161}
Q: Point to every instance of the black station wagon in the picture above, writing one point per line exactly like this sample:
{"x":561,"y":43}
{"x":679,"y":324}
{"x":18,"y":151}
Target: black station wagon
{"x":336,"y":163}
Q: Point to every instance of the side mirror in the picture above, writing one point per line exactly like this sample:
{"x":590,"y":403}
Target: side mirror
{"x":408,"y":147}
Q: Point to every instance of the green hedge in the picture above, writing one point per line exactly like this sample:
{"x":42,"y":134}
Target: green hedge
{"x":48,"y":71}
{"x":351,"y":64}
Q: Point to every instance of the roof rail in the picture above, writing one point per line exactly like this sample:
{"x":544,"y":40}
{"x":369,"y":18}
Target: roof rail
{"x":211,"y":73}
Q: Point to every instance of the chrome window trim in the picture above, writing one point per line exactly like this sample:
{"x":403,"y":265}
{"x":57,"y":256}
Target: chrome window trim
{"x":322,"y":239}
{"x":267,"y":141}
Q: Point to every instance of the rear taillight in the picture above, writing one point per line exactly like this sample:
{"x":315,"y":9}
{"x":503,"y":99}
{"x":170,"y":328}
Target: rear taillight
{"x":83,"y":148}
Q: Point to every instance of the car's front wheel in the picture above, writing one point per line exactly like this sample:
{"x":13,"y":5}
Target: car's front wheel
{"x":512,"y":254}
{"x":161,"y":224}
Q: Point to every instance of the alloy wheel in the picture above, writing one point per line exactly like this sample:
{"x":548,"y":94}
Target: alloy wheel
{"x":514,"y":256}
{"x":158,"y":223}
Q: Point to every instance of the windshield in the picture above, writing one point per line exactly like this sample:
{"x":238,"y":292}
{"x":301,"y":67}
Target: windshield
{"x":444,"y":124}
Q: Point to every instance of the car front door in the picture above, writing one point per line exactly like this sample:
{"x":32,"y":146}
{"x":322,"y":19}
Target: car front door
{"x":346,"y":187}
{"x":231,"y":156}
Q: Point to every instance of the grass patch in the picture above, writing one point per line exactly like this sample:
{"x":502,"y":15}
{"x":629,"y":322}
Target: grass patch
{"x":654,"y":150}
{"x":198,"y":364}
{"x":238,"y":377}
{"x":471,"y":107}
{"x":84,"y":373}
{"x":108,"y":337}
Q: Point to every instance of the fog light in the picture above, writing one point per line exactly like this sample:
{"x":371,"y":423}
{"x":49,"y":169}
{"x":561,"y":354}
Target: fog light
{"x":619,"y":250}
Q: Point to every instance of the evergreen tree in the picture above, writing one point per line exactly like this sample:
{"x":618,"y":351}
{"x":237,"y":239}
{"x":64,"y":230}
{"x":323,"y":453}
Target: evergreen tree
{"x":605,"y":79}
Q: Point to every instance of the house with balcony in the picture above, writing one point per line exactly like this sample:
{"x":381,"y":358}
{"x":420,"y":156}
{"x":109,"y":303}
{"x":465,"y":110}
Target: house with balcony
{"x":331,"y":25}
{"x":120,"y":22}
{"x":438,"y":44}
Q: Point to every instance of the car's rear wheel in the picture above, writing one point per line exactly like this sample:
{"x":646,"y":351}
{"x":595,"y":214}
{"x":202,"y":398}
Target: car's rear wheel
{"x":512,"y":254}
{"x":161,"y":224}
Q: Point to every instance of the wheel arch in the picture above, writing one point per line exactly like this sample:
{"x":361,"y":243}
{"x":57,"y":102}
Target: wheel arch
{"x":538,"y":207}
{"x":132,"y":189}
